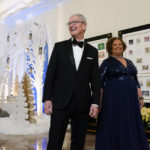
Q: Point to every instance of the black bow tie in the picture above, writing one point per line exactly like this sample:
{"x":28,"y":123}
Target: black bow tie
{"x":75,"y":42}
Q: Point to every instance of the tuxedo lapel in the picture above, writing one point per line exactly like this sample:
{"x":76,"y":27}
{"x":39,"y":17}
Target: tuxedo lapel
{"x":70,"y":53}
{"x":83,"y":59}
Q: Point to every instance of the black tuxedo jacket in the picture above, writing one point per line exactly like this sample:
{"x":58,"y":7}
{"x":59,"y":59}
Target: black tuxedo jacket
{"x":63,"y":80}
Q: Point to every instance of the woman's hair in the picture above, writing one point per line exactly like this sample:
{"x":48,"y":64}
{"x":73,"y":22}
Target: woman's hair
{"x":110,"y":42}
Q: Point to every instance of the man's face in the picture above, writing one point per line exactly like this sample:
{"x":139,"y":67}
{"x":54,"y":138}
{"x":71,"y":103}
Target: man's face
{"x":76,"y":27}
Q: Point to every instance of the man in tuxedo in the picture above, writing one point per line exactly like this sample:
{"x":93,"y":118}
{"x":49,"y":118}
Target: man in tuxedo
{"x":72,"y":86}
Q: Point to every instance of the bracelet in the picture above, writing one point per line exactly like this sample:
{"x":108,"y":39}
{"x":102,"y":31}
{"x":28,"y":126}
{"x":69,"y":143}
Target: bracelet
{"x":141,"y":98}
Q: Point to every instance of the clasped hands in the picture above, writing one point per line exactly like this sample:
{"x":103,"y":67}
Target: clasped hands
{"x":94,"y":111}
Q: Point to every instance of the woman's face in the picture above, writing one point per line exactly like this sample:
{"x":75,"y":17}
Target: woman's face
{"x":117,"y":48}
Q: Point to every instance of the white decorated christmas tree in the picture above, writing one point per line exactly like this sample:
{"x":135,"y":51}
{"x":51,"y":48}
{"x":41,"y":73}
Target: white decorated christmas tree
{"x":16,"y":86}
{"x":20,"y":107}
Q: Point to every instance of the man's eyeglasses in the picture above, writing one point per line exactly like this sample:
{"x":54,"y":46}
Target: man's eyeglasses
{"x":74,"y":22}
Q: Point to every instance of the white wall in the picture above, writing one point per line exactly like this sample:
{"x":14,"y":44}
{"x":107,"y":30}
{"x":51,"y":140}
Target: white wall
{"x":103,"y":16}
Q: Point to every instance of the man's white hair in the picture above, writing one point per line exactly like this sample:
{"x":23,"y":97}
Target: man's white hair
{"x":82,"y":18}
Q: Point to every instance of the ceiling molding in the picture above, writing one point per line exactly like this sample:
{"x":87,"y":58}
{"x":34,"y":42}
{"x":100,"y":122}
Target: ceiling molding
{"x":15,"y":14}
{"x":12,"y":7}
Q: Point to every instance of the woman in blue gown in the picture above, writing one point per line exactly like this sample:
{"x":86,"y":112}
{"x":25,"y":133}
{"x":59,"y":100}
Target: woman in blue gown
{"x":119,"y":122}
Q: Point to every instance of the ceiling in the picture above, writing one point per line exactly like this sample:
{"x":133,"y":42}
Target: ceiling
{"x":9,"y":7}
{"x":23,"y":9}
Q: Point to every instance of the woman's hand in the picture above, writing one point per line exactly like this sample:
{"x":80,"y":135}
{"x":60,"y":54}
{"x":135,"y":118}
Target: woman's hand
{"x":141,"y":103}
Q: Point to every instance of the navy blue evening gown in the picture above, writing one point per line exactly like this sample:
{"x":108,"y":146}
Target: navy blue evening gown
{"x":119,"y":123}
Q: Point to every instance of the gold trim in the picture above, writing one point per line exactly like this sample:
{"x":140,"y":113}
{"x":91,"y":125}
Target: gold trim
{"x":91,"y":130}
{"x":147,"y":131}
{"x":148,"y":140}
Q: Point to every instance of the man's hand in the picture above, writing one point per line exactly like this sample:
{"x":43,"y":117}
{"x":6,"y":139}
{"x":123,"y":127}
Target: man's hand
{"x":48,"y":107}
{"x":93,"y":111}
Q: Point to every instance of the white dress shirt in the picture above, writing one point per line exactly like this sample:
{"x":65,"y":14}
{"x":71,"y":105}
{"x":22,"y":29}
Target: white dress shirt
{"x":78,"y":52}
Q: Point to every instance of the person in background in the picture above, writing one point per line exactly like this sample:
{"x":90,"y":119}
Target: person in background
{"x":119,"y":121}
{"x":72,"y":86}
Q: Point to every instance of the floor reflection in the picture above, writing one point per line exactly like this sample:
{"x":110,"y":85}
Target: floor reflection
{"x":37,"y":142}
{"x":18,"y":142}
{"x":41,"y":144}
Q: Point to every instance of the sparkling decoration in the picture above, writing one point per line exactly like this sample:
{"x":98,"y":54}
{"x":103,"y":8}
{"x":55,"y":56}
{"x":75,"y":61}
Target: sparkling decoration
{"x":24,"y":51}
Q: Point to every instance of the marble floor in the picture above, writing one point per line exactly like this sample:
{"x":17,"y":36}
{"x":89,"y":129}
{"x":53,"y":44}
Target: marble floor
{"x":37,"y":142}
